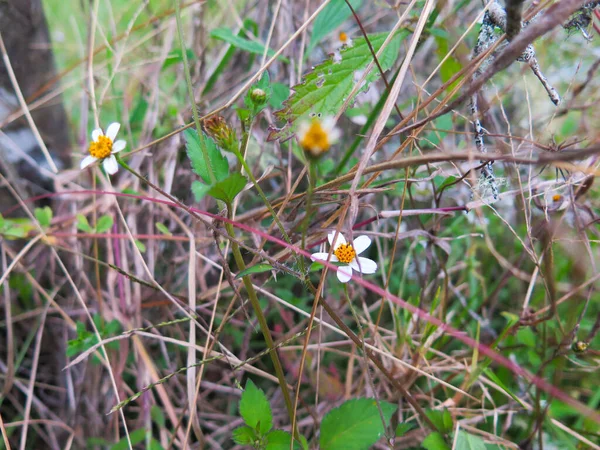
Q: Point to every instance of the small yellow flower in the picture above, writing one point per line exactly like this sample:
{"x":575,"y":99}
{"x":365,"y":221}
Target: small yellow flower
{"x":347,"y":253}
{"x":556,"y":198}
{"x":317,"y":136}
{"x":103,"y":148}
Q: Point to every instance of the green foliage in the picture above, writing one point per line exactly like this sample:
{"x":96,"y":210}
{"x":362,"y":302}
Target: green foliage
{"x":258,"y":433}
{"x":469,"y":441}
{"x":103,"y":224}
{"x":334,"y":14}
{"x":325,"y":89}
{"x":355,"y":425}
{"x":255,"y":409}
{"x":226,"y":186}
{"x":162,"y":228}
{"x":136,"y":437}
{"x":257,"y":268}
{"x":441,"y":419}
{"x":43,"y":216}
{"x":255,"y":103}
{"x":435,"y":441}
{"x":86,"y":339}
{"x":218,"y":163}
{"x":12,"y":229}
{"x":225,"y":34}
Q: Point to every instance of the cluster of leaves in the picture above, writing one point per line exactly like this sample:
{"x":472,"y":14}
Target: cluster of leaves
{"x":357,"y":424}
{"x":86,"y":339}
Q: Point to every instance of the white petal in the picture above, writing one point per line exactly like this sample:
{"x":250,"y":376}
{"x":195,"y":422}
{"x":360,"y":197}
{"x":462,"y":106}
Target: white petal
{"x":96,"y":134}
{"x":323,"y":257}
{"x":118,"y":146}
{"x":334,"y":136}
{"x":87,"y":161}
{"x":364,"y":265}
{"x":112,"y":130}
{"x":339,"y":240}
{"x":111,"y":165}
{"x":344,"y":273}
{"x":361,"y":243}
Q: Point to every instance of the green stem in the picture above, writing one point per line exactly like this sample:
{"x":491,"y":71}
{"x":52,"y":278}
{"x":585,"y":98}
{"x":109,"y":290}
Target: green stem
{"x":188,"y":80}
{"x":242,"y":160}
{"x":239,"y":260}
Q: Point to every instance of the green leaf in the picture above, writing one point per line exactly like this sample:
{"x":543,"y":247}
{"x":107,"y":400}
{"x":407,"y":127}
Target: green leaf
{"x":466,"y":441}
{"x":280,"y":440}
{"x":441,"y":419}
{"x":83,"y":224}
{"x":258,"y":268}
{"x":280,"y":92}
{"x":14,"y":232}
{"x":218,"y":162}
{"x":403,"y":428}
{"x":176,"y":56}
{"x":435,"y":441}
{"x":225,"y":34}
{"x":43,"y":216}
{"x":255,"y":409}
{"x":157,"y":416}
{"x":136,"y":437}
{"x":334,"y":14}
{"x":104,"y":224}
{"x":2,"y":222}
{"x":140,"y":245}
{"x":163,"y":229}
{"x":228,"y":188}
{"x":324,"y":89}
{"x":200,"y":190}
{"x":244,"y":436}
{"x":355,"y":425}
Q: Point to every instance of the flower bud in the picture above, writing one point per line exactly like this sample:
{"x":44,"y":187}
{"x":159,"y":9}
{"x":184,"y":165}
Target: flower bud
{"x":258,"y":96}
{"x":218,"y":129}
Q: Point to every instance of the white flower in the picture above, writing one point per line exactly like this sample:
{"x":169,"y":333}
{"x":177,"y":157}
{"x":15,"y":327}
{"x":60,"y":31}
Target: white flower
{"x":347,"y":253}
{"x":103,"y":148}
{"x":342,"y":40}
{"x":317,"y":136}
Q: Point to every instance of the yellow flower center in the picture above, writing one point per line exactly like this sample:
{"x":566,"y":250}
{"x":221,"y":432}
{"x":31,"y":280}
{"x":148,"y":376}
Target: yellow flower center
{"x":556,"y":197}
{"x":345,"y":253}
{"x":101,"y":148}
{"x":343,"y":37}
{"x":316,"y":139}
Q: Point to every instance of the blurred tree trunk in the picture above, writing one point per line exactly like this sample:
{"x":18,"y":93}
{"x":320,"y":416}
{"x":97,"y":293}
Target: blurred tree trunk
{"x":27,"y":41}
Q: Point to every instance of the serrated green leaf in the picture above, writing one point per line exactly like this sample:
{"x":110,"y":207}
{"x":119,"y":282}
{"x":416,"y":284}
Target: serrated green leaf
{"x":244,"y":436}
{"x":83,"y":224}
{"x":280,"y":440}
{"x":324,"y":89}
{"x":355,"y":425}
{"x":227,"y":189}
{"x":163,"y":229}
{"x":225,"y":34}
{"x":104,"y":224}
{"x":255,"y":409}
{"x":435,"y":441}
{"x":467,"y":441}
{"x":218,"y":162}
{"x":332,"y":16}
{"x":43,"y":216}
{"x":258,"y":268}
